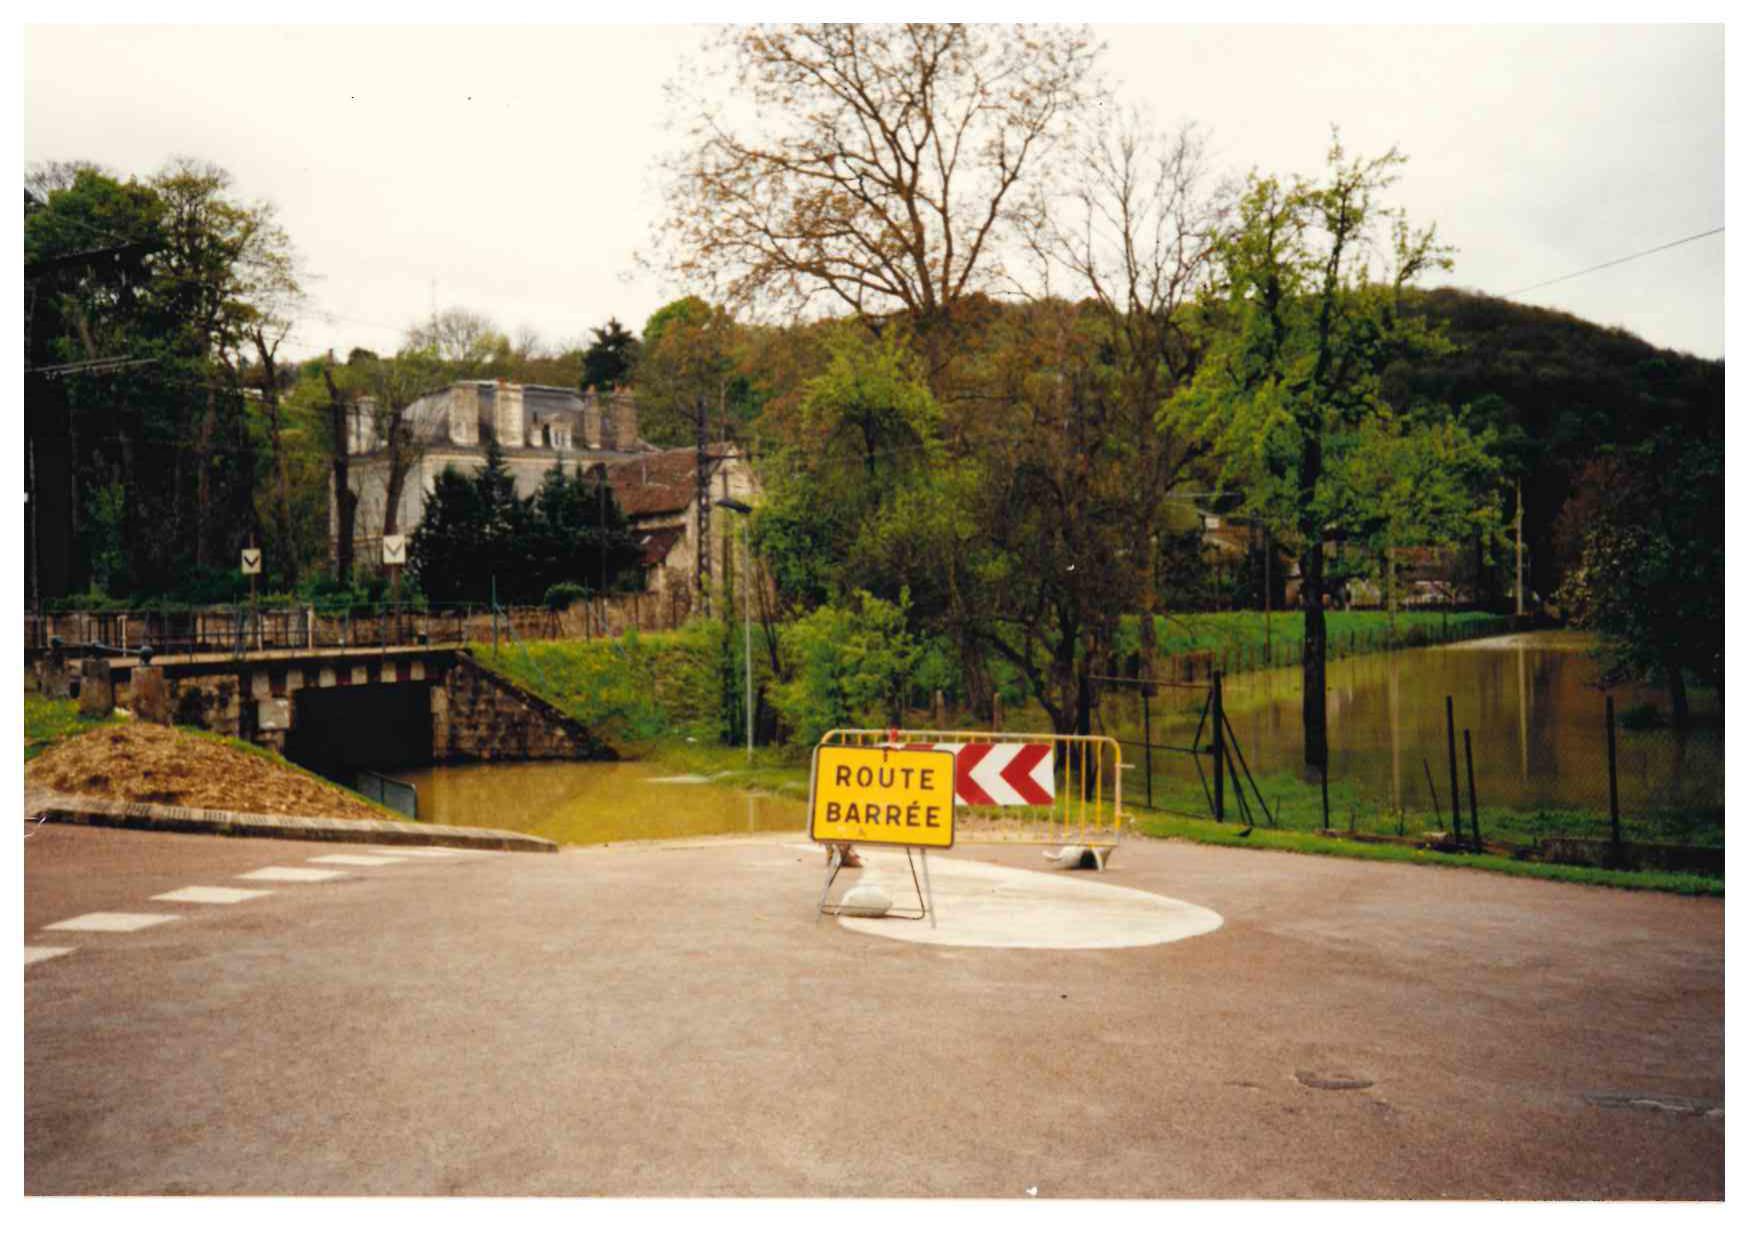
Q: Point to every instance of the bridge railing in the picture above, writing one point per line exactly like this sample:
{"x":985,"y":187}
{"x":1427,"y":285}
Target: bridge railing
{"x":235,"y":628}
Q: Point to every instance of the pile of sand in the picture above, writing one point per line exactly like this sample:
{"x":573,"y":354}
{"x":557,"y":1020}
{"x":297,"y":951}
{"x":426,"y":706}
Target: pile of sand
{"x":149,"y":762}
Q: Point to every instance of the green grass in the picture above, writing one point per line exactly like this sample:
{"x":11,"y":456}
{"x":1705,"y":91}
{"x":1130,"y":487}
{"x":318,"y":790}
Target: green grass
{"x":1243,"y":640}
{"x":625,"y":689}
{"x":1171,"y":826}
{"x":1298,"y":804}
{"x":47,"y":721}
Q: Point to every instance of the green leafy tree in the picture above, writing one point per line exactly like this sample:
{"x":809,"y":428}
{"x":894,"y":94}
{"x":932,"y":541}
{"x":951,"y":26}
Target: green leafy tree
{"x":610,"y":359}
{"x":691,"y":357}
{"x":479,"y":539}
{"x":1417,"y":483}
{"x":1311,"y":316}
{"x":851,"y":666}
{"x":1650,"y":577}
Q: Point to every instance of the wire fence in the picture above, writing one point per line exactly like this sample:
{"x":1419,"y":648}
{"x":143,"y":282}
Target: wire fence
{"x":1584,"y":789}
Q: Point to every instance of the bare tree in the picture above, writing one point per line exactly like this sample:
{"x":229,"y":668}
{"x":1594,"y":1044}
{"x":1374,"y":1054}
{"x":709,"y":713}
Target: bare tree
{"x":883,"y":167}
{"x":457,"y":335}
{"x":1136,"y":233}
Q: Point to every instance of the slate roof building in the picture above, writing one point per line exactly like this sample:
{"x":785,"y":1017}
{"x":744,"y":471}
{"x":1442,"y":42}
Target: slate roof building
{"x":536,"y":425}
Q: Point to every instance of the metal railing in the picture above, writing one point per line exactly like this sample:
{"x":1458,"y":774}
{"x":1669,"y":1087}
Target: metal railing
{"x":397,"y":794}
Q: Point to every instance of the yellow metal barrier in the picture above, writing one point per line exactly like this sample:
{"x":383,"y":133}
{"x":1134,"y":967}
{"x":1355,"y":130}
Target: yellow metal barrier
{"x":1003,"y":776}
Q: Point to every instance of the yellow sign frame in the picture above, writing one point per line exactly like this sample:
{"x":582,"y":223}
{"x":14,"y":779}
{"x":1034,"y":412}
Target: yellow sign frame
{"x":881,"y":795}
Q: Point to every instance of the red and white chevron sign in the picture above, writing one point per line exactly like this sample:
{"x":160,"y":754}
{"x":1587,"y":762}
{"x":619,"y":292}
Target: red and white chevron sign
{"x":1002,"y":773}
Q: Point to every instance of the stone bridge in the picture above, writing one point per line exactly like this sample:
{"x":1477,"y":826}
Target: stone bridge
{"x":338,"y":710}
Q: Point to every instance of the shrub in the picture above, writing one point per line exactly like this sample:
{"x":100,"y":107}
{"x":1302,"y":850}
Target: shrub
{"x":852,"y":667}
{"x":559,"y":597}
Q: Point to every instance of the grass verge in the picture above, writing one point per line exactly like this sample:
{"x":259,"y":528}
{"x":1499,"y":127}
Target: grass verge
{"x":48,"y":720}
{"x":1169,"y":826}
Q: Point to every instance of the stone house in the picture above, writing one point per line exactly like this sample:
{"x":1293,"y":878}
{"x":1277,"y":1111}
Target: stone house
{"x":535,"y":426}
{"x":658,"y":493}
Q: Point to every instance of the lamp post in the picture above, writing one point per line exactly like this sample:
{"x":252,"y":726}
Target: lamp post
{"x":746,"y":610}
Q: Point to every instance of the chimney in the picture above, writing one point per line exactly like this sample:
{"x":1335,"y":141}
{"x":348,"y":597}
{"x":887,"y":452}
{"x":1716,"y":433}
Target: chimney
{"x":624,"y":420}
{"x":592,"y":421}
{"x":464,"y":413}
{"x":508,"y":415}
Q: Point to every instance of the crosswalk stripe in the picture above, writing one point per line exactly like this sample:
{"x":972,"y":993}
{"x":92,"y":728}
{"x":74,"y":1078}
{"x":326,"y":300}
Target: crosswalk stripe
{"x":354,"y":859}
{"x":210,"y":895}
{"x":36,"y":955}
{"x":113,"y":923}
{"x":290,"y":874}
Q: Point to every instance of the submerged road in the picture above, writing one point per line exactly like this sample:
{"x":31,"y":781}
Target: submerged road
{"x":672,"y":1020}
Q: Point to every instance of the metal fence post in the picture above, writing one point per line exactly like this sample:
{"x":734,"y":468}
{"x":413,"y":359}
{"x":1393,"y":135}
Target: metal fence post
{"x":1451,"y":745}
{"x":1474,"y":811}
{"x":1147,"y":742}
{"x":1219,"y":753}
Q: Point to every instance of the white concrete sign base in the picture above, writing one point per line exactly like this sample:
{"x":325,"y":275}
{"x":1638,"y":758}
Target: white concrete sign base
{"x":983,"y":905}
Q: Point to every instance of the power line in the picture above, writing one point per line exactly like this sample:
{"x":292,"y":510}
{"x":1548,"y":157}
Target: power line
{"x":1615,"y":262}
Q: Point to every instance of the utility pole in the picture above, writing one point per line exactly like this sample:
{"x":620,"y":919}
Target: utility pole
{"x":701,"y":560}
{"x":746,"y":606}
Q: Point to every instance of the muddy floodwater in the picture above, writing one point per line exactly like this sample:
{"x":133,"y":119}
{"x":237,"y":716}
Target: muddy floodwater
{"x":594,"y":802}
{"x":1529,"y":701}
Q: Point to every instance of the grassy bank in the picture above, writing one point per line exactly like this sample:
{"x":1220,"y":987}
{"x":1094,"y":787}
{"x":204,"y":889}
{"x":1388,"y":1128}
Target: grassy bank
{"x":47,"y":721}
{"x":1247,"y":640}
{"x":630,"y":689}
{"x":1170,"y":826}
{"x":1297,"y":804}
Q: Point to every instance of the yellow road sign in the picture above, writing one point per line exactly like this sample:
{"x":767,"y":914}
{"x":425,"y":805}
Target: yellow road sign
{"x":882,"y":796}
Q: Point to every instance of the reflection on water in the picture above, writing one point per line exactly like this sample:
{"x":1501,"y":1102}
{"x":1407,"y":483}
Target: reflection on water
{"x":592,"y":802}
{"x":1529,"y":701}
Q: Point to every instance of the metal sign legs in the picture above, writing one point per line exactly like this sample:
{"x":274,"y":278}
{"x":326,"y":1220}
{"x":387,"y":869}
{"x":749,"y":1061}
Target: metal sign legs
{"x":923,"y":887}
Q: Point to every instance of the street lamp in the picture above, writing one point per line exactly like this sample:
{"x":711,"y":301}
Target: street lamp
{"x":746,"y":610}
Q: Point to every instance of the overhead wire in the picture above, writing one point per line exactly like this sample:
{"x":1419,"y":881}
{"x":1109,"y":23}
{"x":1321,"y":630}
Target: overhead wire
{"x":1615,"y":262}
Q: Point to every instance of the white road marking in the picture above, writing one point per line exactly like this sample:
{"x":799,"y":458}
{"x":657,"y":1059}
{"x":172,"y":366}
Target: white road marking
{"x":290,"y":874}
{"x":210,"y":895}
{"x":431,"y":851}
{"x":36,"y":955}
{"x":423,"y":854}
{"x":354,"y":859}
{"x":113,"y":923}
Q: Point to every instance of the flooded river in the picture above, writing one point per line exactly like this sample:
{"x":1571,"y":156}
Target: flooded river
{"x":1528,"y":700}
{"x":593,"y":802}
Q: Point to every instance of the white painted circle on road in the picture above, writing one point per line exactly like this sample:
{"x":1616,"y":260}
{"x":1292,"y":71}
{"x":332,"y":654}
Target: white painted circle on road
{"x":983,"y":905}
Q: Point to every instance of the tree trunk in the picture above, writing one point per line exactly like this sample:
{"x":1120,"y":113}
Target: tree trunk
{"x":1677,"y":692}
{"x":345,"y":501}
{"x":203,"y":476}
{"x":281,"y":478}
{"x":1314,"y":708}
{"x":1390,"y":583}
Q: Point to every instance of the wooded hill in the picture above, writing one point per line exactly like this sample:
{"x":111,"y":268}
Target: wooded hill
{"x":1561,"y":392}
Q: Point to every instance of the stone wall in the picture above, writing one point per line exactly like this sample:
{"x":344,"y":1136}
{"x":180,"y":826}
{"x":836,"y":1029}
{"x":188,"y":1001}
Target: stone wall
{"x":477,"y":717}
{"x":215,"y":703}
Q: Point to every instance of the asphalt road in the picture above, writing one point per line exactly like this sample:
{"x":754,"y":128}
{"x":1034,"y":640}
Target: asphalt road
{"x":673,"y":1021}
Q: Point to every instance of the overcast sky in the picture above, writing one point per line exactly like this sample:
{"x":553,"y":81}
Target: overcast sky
{"x":512,"y":170}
